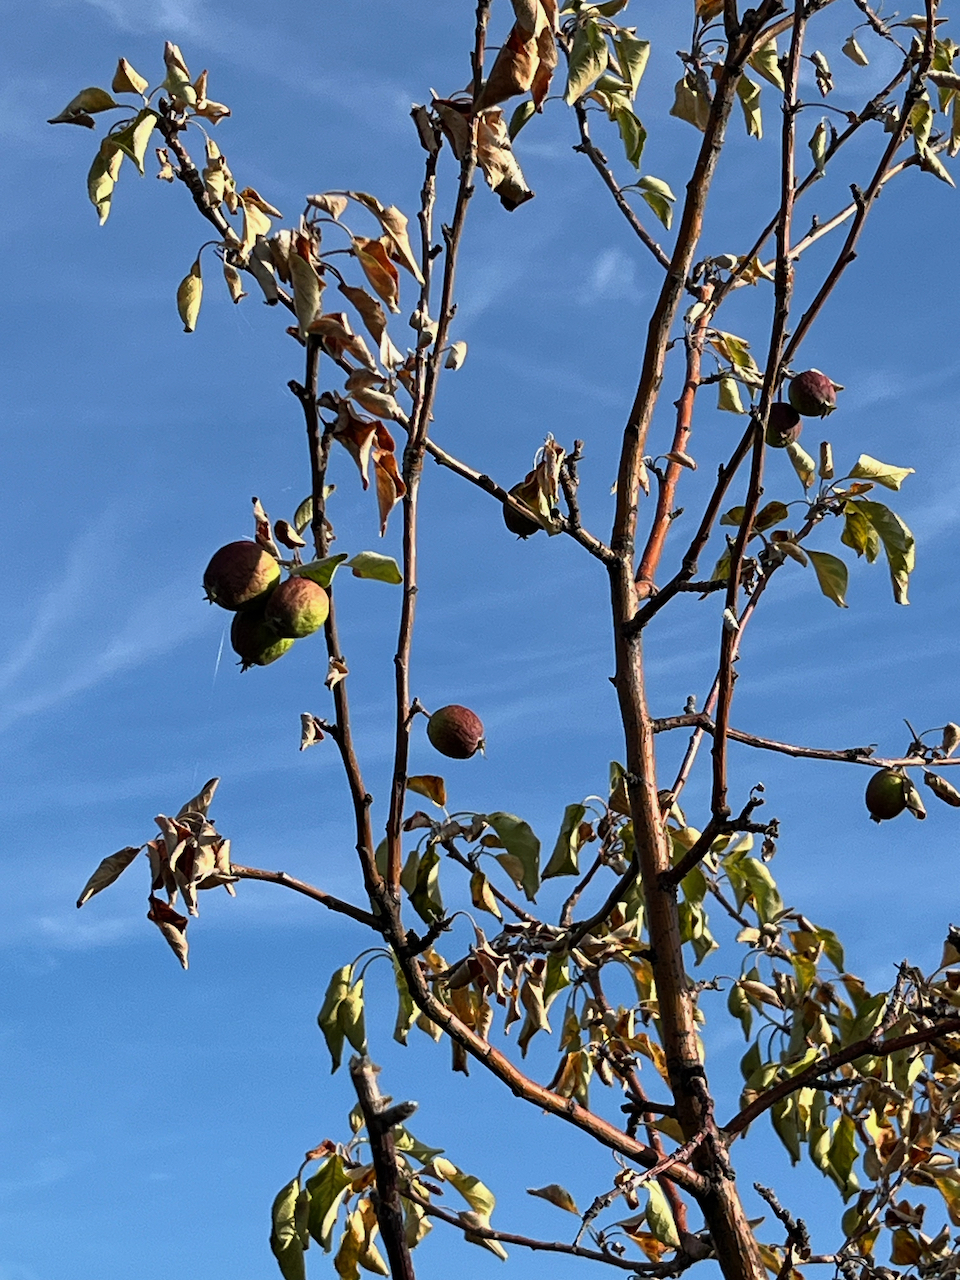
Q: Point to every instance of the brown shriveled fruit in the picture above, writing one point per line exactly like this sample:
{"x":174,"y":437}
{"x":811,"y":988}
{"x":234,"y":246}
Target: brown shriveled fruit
{"x":297,"y":608}
{"x":240,"y":575}
{"x":812,"y":394}
{"x":783,"y":425}
{"x":254,"y":643}
{"x":456,"y":732}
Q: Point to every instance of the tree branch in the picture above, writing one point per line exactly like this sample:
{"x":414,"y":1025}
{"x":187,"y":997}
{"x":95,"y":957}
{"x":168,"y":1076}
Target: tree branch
{"x":308,"y":891}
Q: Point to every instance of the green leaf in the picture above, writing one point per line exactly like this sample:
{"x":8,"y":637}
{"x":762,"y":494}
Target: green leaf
{"x":327,"y":1188}
{"x":405,"y":1141}
{"x":632,"y":133}
{"x":522,"y":115}
{"x":660,"y":1216}
{"x":763,"y":887}
{"x":588,"y":61}
{"x":818,"y":145}
{"x":765,"y":61}
{"x":320,"y":571}
{"x":425,"y":898}
{"x":135,"y":138}
{"x":842,"y":1155}
{"x":728,"y":395}
{"x":749,"y":95}
{"x":832,"y":575}
{"x":868,"y":468}
{"x":370,"y":564}
{"x":738,"y":1006}
{"x":328,"y":1019}
{"x":832,"y":948}
{"x":564,"y":859}
{"x":303,"y":515}
{"x":659,"y":197}
{"x":407,"y":1011}
{"x":869,"y":1016}
{"x":520,"y":842}
{"x":859,"y":534}
{"x":769,"y":515}
{"x":783,"y":1115}
{"x":284,"y":1236}
{"x":897,"y":542}
{"x":632,"y":54}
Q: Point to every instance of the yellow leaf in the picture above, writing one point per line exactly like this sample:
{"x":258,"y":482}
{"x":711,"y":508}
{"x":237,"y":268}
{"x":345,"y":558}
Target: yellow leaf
{"x":126,"y":80}
{"x":430,"y":785}
{"x":189,"y":296}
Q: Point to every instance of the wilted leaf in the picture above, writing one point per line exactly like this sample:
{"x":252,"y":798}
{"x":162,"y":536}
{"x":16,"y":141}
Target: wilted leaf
{"x":108,"y":871}
{"x":832,"y":575}
{"x":499,"y":164}
{"x":557,"y":1195}
{"x":394,"y":224}
{"x":520,"y":843}
{"x":426,"y":898}
{"x":513,"y":69}
{"x":728,"y":396}
{"x":818,"y":145}
{"x":564,"y":859}
{"x":87,"y":103}
{"x":868,"y":468}
{"x":189,"y":297}
{"x":456,"y":355}
{"x":765,"y":61}
{"x":336,"y":671}
{"x":803,"y":464}
{"x":481,"y":895}
{"x":690,"y":103}
{"x":310,"y":730}
{"x":134,"y":139}
{"x":328,"y":1018}
{"x":127,"y":80}
{"x":285,"y":1239}
{"x":379,"y":270}
{"x":898,"y":544}
{"x":172,"y":925}
{"x":430,"y":785}
{"x":842,"y":1156}
{"x":370,"y":564}
{"x":942,"y":789}
{"x":749,"y":95}
{"x":307,"y":288}
{"x":854,"y":52}
{"x":633,"y":135}
{"x":350,"y":1017}
{"x":632,"y":55}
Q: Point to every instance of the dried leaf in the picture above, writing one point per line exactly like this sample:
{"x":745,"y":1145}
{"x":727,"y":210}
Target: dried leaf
{"x":557,"y":1195}
{"x":87,"y":103}
{"x":379,"y":270}
{"x":430,"y":785}
{"x":172,"y":925}
{"x":332,"y":202}
{"x":310,"y":730}
{"x":126,"y":80}
{"x":336,"y":671}
{"x":514,"y":67}
{"x":234,"y":282}
{"x":307,"y":286}
{"x":108,"y":871}
{"x":394,"y":224}
{"x":499,"y":164}
{"x":456,"y":355}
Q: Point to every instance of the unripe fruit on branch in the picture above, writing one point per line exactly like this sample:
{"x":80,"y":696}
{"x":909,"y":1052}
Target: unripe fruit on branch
{"x":783,"y":425}
{"x":240,"y":574}
{"x":455,"y":732}
{"x":254,"y":643}
{"x":813,"y":394}
{"x":522,"y":526}
{"x":297,"y":608}
{"x":886,"y":795}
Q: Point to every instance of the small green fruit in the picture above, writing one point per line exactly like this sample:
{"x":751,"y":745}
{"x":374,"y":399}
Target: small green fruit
{"x":455,"y":732}
{"x":812,"y":394}
{"x":254,"y":643}
{"x":783,"y":426}
{"x":297,"y":608}
{"x":522,"y":526}
{"x":240,"y":575}
{"x":886,"y":794}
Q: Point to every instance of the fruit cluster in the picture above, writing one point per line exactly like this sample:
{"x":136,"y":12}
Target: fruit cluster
{"x":811,"y":395}
{"x":269,"y":614}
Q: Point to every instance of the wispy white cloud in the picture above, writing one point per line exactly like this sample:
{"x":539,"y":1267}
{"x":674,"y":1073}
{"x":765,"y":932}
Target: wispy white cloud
{"x":613,"y":275}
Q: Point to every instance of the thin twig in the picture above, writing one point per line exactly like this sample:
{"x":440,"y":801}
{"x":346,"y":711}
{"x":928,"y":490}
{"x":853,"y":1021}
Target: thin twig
{"x":596,"y":157}
{"x":308,"y":891}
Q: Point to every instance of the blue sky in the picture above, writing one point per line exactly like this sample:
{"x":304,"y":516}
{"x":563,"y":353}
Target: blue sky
{"x":149,"y":1116}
